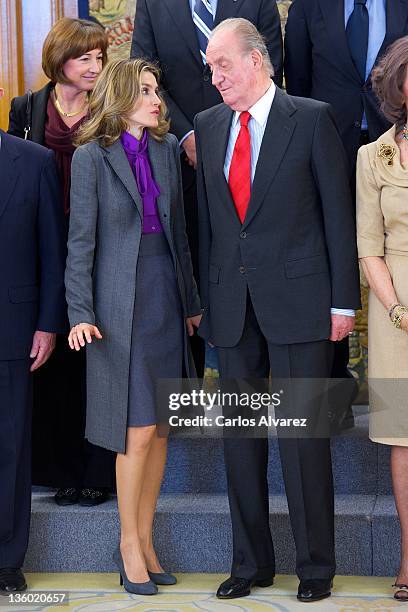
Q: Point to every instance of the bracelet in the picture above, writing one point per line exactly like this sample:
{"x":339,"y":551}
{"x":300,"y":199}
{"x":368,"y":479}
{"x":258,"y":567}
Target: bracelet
{"x":400,"y":311}
{"x":391,"y":310}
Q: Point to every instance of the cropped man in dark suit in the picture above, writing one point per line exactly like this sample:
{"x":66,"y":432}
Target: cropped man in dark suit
{"x":278,"y":264}
{"x":324,"y":60}
{"x":175,"y":33}
{"x":331,"y":47}
{"x":32,"y":310}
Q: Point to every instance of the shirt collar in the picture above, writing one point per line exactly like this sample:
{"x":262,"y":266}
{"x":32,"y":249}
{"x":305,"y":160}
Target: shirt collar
{"x":260,"y":110}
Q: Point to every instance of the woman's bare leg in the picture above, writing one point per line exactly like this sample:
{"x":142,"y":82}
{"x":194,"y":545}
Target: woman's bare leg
{"x":153,"y":476}
{"x":399,"y":470}
{"x":130,"y":476}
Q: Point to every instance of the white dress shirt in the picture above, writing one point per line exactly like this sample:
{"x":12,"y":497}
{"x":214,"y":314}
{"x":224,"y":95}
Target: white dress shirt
{"x":259,"y":116}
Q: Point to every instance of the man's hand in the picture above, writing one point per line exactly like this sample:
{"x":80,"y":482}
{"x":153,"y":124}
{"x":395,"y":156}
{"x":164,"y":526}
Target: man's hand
{"x":81,"y":332}
{"x":189,"y":146}
{"x":43,"y":345}
{"x":193,"y":322}
{"x":341,"y":326}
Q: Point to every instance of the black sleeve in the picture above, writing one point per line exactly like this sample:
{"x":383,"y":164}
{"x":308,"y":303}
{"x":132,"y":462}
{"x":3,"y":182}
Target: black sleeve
{"x":182,"y":247}
{"x":270,"y":27}
{"x":298,"y":52}
{"x":330,"y":169}
{"x":52,"y":251}
{"x":17,"y":116}
{"x":144,"y":45}
{"x":204,"y":238}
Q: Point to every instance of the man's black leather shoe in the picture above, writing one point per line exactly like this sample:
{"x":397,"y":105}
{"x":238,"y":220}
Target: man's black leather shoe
{"x":93,"y":497}
{"x":313,"y":590}
{"x":348,"y":422}
{"x":66,"y":497}
{"x":240,"y":587}
{"x":11,"y":580}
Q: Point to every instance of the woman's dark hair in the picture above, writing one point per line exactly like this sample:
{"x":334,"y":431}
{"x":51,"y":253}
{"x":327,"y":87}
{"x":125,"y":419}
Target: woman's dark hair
{"x":388,"y":79}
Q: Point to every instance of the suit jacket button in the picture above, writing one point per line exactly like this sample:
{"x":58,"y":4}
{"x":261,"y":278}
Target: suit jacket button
{"x":243,"y":235}
{"x":357,"y":124}
{"x":242,"y":269}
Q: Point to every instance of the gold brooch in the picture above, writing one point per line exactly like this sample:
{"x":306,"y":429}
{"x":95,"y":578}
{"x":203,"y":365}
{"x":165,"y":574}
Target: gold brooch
{"x":387,"y":152}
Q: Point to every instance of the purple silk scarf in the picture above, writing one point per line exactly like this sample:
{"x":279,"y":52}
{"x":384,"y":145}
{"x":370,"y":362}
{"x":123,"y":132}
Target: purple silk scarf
{"x":138,"y":157}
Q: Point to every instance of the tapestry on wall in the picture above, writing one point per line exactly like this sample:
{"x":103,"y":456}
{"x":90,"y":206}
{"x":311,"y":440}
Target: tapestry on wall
{"x":117,"y":17}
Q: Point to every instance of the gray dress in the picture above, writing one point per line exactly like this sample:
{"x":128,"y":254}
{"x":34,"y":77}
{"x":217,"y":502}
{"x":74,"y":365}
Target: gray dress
{"x":157,"y":333}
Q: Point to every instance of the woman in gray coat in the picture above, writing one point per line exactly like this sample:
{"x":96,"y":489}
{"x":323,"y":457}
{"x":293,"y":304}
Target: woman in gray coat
{"x":131,"y":294}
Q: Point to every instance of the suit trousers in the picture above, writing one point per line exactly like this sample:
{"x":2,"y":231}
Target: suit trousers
{"x":306,"y":464}
{"x":15,"y":460}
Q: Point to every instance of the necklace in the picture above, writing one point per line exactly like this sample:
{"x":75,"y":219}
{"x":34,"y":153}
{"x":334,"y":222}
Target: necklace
{"x":62,"y":112}
{"x":405,"y":132}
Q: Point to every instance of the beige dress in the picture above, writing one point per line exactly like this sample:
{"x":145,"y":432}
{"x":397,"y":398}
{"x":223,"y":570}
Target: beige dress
{"x":382,"y":230}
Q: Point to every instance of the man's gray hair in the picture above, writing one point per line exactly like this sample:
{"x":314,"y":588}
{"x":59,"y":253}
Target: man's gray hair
{"x":249,"y":37}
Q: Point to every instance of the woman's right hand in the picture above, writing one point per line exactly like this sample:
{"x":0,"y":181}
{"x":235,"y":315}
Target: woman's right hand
{"x":81,"y":332}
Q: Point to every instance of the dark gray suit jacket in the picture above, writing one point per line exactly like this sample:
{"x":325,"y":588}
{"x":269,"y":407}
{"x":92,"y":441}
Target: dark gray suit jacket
{"x":164,"y":32}
{"x":296,"y":250}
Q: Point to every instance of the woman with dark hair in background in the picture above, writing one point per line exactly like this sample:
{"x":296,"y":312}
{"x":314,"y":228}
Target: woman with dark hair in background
{"x":382,"y":228}
{"x":73,"y":55}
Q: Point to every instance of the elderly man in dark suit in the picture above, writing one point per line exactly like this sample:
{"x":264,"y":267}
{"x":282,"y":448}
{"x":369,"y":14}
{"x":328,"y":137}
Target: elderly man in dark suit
{"x":175,"y":33}
{"x":32,"y":310}
{"x":331,"y":47}
{"x":278,"y":264}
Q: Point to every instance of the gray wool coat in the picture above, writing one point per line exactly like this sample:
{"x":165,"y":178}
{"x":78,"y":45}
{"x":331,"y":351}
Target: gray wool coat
{"x":100,"y":278}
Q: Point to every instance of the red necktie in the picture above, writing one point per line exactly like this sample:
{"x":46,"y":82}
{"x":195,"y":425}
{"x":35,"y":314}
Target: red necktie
{"x":239,"y":178}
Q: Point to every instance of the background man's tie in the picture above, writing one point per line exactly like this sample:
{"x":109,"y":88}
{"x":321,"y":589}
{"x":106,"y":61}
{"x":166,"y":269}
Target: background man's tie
{"x":357,"y":36}
{"x":239,"y":178}
{"x":204,"y":22}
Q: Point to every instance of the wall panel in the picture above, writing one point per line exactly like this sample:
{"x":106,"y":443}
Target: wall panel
{"x":11,"y":72}
{"x":24,"y":25}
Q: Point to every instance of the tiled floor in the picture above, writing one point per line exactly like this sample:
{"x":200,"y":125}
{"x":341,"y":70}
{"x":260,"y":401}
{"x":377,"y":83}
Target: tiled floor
{"x":102,"y":593}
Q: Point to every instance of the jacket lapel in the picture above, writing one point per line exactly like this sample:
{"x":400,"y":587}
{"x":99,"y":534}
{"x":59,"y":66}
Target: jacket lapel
{"x":180,"y":13}
{"x":160,"y":170}
{"x":278,"y":133}
{"x":9,"y":170}
{"x":221,"y":131}
{"x":397,"y":16}
{"x":39,"y":114}
{"x":118,"y":161}
{"x":227,"y":9}
{"x":334,"y":19}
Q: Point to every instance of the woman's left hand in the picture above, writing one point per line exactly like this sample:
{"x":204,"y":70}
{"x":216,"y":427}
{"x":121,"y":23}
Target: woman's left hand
{"x":193,"y":322}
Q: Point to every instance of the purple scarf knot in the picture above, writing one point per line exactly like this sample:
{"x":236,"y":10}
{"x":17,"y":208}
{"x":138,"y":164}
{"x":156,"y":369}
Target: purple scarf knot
{"x":137,"y":154}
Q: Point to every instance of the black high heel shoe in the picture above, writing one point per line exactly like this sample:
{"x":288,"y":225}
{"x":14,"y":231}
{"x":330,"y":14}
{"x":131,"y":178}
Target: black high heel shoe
{"x":137,"y":588}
